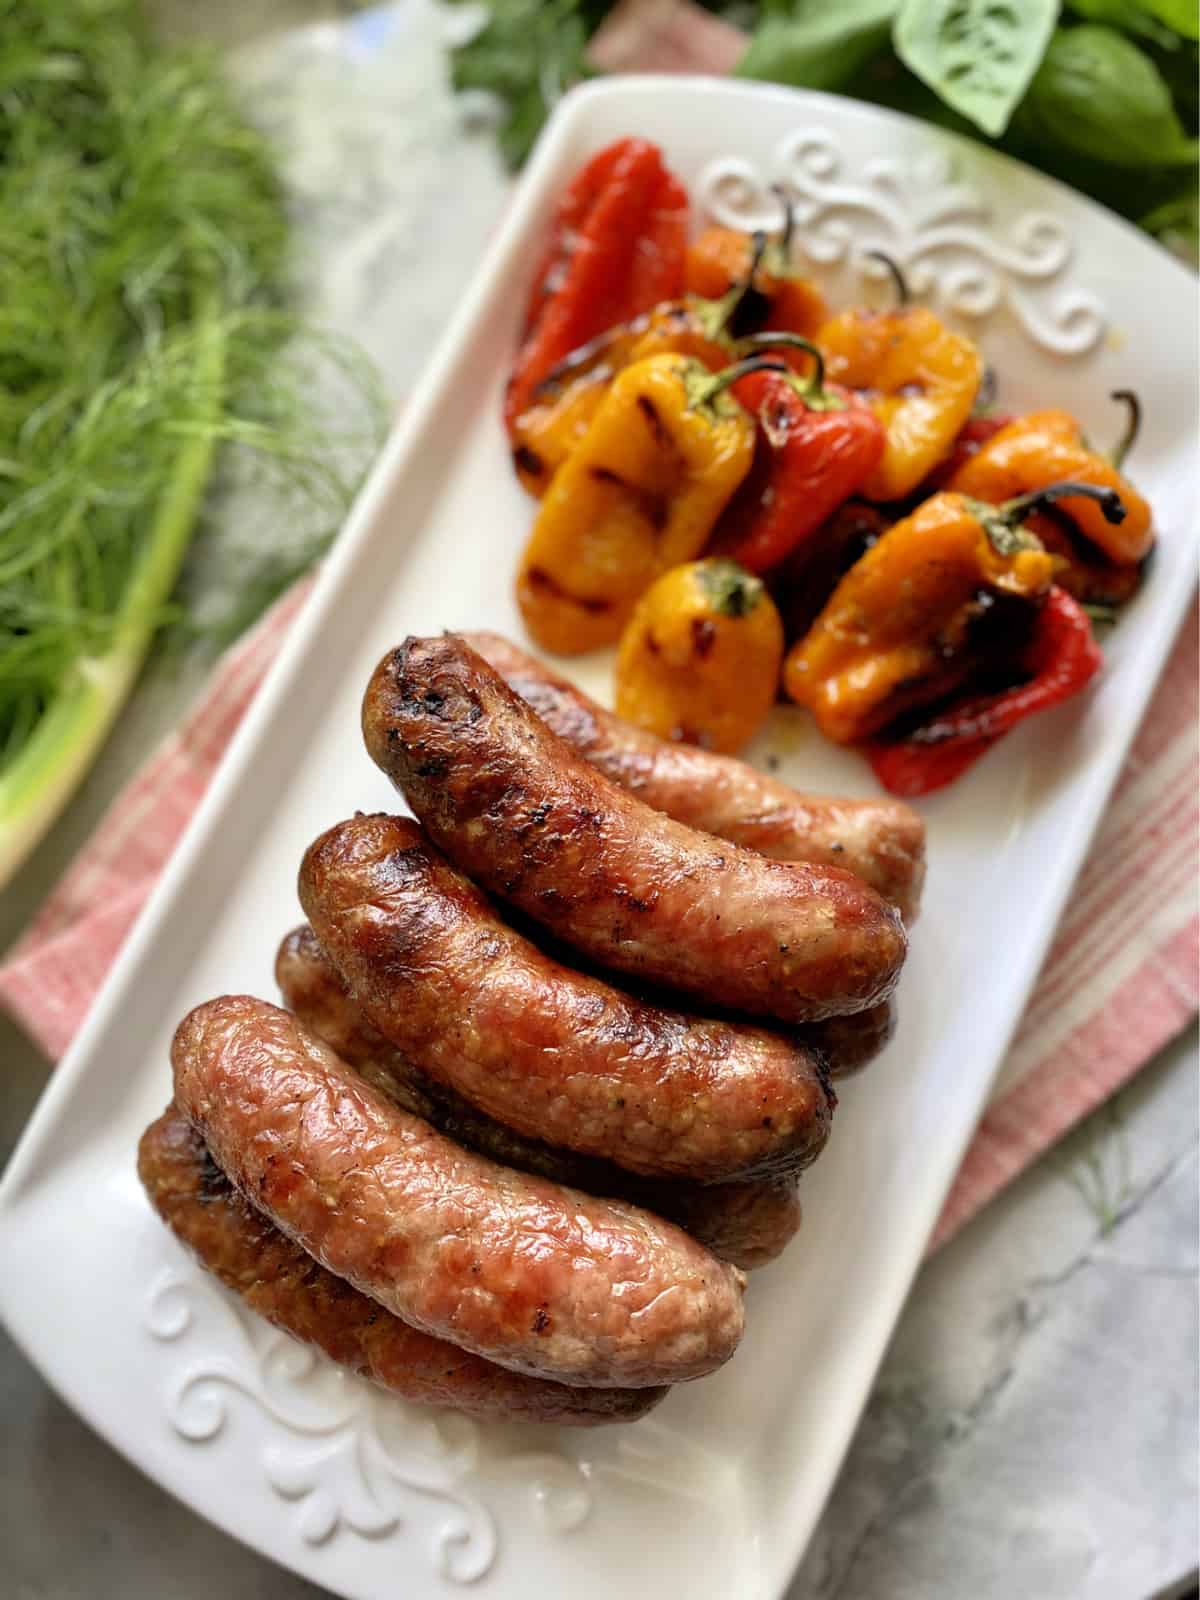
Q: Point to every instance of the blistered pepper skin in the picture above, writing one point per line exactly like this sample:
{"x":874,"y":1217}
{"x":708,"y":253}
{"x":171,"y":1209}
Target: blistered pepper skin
{"x":700,"y":658}
{"x":894,"y":632}
{"x":921,"y":380}
{"x":639,"y":495}
{"x":1047,"y":447}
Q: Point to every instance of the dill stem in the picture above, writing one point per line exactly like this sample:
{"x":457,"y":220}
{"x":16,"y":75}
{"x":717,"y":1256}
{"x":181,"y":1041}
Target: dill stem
{"x":55,"y":759}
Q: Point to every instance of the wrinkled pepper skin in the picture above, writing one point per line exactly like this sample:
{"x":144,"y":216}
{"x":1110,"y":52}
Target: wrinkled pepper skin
{"x":920,"y":379}
{"x":721,"y":257}
{"x":566,"y":401}
{"x":1060,"y":659}
{"x":806,"y":464}
{"x":618,"y":244}
{"x":1047,"y":447}
{"x":699,"y":661}
{"x":896,"y":632}
{"x":639,"y":495}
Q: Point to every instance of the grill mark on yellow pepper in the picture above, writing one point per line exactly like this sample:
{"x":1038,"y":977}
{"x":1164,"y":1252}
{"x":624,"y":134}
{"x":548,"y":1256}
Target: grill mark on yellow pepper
{"x":639,"y":495}
{"x":895,"y":632}
{"x":700,"y":658}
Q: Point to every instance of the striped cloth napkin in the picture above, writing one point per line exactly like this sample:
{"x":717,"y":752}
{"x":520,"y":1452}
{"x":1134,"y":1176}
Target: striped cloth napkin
{"x":1120,"y":981}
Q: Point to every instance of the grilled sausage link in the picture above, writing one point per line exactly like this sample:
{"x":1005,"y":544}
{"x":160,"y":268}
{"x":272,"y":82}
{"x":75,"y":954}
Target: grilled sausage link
{"x":280,"y":1282}
{"x":513,"y":805}
{"x":880,"y":841}
{"x":746,"y":1224}
{"x":538,"y":1278}
{"x":552,"y":1052}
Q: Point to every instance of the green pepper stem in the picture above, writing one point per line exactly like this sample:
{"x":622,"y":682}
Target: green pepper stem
{"x":716,"y":316}
{"x":1133,"y":425}
{"x":1109,"y":501}
{"x":780,"y":192}
{"x":903,"y":293}
{"x":731,"y":590}
{"x":792,"y":341}
{"x":705,"y":393}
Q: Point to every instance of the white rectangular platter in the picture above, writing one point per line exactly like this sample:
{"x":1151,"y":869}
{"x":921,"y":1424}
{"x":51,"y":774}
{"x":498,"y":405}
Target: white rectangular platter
{"x":715,"y":1494}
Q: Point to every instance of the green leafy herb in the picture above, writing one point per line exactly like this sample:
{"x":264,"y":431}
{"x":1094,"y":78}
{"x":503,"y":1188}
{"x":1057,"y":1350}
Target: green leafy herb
{"x":142,"y":256}
{"x":1097,"y":94}
{"x":815,"y":45}
{"x":1129,"y":16}
{"x":979,"y":55}
{"x":528,"y":54}
{"x":1181,"y":15}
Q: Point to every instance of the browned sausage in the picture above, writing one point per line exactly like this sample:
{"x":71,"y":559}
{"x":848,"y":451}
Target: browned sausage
{"x":280,"y":1282}
{"x":538,"y":1278}
{"x":881,"y":841}
{"x":555,"y":1053}
{"x":513,"y":805}
{"x":747,"y":1224}
{"x":851,"y":1043}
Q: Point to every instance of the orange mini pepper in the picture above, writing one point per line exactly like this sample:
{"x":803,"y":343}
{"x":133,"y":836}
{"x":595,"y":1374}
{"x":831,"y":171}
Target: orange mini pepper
{"x":920,"y":378}
{"x":1045,"y":447}
{"x":782,"y":301}
{"x":897,"y":631}
{"x":664,"y":454}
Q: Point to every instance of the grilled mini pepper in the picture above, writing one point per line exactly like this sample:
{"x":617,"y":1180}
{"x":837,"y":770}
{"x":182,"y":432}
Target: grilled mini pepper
{"x":699,"y":660}
{"x":920,"y":378}
{"x":617,"y":248}
{"x":783,"y":300}
{"x":816,"y":445}
{"x":1048,"y":446}
{"x":902,"y":628}
{"x":1058,"y":660}
{"x":665,"y":451}
{"x":565,"y":401}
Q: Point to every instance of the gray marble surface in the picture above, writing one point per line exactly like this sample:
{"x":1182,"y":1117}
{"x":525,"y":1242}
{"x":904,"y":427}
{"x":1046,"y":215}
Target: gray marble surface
{"x":1033,"y":1431}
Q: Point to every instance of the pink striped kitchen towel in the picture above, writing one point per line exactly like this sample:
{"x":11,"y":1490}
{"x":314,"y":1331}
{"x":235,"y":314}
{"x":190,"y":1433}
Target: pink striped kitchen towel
{"x":1120,"y":982}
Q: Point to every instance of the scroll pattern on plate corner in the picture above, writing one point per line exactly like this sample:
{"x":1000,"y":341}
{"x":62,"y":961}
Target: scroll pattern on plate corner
{"x":935,"y":226}
{"x":349,"y":1457}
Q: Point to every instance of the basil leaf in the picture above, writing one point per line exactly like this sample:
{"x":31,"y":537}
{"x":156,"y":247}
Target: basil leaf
{"x":979,"y":55}
{"x":1129,"y":17}
{"x":1100,"y":96}
{"x":1182,"y":15}
{"x":815,"y":44}
{"x":1176,"y":223}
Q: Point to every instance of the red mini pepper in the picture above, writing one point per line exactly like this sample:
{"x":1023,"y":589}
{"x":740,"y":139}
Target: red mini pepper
{"x":618,"y":246}
{"x":1059,"y":659}
{"x":816,"y":444}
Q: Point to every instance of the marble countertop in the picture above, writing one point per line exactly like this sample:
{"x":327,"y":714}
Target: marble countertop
{"x":1033,"y":1429}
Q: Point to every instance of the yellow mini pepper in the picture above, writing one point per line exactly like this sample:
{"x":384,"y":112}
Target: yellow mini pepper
{"x":895,"y":633}
{"x":665,"y":451}
{"x":921,"y":381}
{"x":700,"y":658}
{"x":1043,"y":448}
{"x":567,"y":399}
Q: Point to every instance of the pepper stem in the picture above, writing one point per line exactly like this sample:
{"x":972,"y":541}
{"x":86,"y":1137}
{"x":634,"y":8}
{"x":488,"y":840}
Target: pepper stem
{"x":1109,"y":501}
{"x":1133,"y":425}
{"x":704,"y":392}
{"x":730,"y":589}
{"x":780,"y":192}
{"x":903,"y":293}
{"x":811,"y":389}
{"x":718,"y":316}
